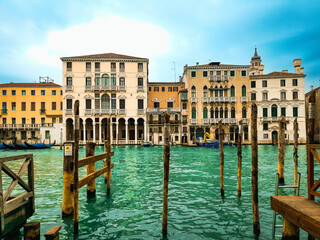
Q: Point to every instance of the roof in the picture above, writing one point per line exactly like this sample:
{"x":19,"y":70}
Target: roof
{"x":166,"y":83}
{"x":29,"y":85}
{"x":278,"y":74}
{"x":221,"y":65}
{"x":104,"y":56}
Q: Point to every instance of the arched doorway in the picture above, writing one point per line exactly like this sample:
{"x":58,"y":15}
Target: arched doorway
{"x":122,"y":129}
{"x":89,"y":129}
{"x":274,"y":135}
{"x":140,"y":128}
{"x":131,"y":129}
{"x":104,"y":123}
{"x":69,"y":129}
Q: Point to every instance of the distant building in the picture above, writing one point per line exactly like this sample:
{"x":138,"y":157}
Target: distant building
{"x":314,"y":97}
{"x":108,"y":86}
{"x":276,"y":94}
{"x":164,"y":97}
{"x":31,"y":111}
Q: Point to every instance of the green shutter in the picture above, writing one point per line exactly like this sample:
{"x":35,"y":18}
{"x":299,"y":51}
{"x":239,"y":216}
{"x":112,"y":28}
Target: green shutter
{"x":205,"y":113}
{"x":274,"y":112}
{"x":265,"y":112}
{"x":194,"y":114}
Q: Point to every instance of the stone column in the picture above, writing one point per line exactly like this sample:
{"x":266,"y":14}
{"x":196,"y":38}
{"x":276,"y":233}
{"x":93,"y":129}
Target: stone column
{"x":94,"y":131}
{"x":111,"y":130}
{"x":99,"y":132}
{"x":117,"y":130}
{"x":84,"y":131}
{"x":145,"y":131}
{"x":136,"y":132}
{"x":127,"y":132}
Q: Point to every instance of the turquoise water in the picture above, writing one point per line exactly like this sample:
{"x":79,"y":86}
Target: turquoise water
{"x":134,"y":208}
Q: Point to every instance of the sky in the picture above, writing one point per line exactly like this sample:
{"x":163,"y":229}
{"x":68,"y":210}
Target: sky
{"x":170,"y":33}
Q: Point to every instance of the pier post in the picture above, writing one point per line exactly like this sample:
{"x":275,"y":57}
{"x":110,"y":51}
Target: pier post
{"x":281,"y":148}
{"x":239,"y":158}
{"x":221,"y":158}
{"x":290,"y":230}
{"x":76,"y":170}
{"x":68,"y":179}
{"x":107,"y":162}
{"x":295,"y":151}
{"x":91,"y":186}
{"x":53,"y":233}
{"x":31,"y":231}
{"x":254,"y":170}
{"x":166,"y":159}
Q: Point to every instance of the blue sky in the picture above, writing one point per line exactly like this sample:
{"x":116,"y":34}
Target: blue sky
{"x":35,"y":34}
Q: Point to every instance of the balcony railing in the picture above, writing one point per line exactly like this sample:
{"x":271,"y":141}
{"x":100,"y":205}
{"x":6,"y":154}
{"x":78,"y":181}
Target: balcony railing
{"x":219,"y":78}
{"x":104,"y":87}
{"x":140,"y":88}
{"x":122,"y":111}
{"x":233,"y":99}
{"x":244,"y":120}
{"x":140,"y":69}
{"x":244,"y":99}
{"x":113,"y":111}
{"x":69,"y":87}
{"x":105,"y":111}
{"x":20,"y":126}
{"x":96,"y":111}
{"x":193,"y":100}
{"x":162,"y":110}
{"x":224,"y":120}
{"x":69,"y":111}
{"x":140,"y":111}
{"x":96,"y":88}
{"x":88,"y":111}
{"x":69,"y":69}
{"x":122,"y":69}
{"x":205,"y":121}
{"x":42,"y":111}
{"x":113,"y":69}
{"x":88,"y":88}
{"x":193,"y":121}
{"x":113,"y":87}
{"x":205,"y":99}
{"x":122,"y":88}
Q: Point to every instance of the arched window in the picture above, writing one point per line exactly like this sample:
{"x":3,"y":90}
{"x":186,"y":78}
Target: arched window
{"x":193,"y":113}
{"x":122,"y":81}
{"x":274,"y":111}
{"x":216,"y":93}
{"x":205,"y":91}
{"x":233,"y":112}
{"x":216,"y":113}
{"x":205,"y":113}
{"x":243,"y":91}
{"x":226,"y":112}
{"x":221,"y":112}
{"x":232,"y":91}
{"x":221,"y":92}
{"x":244,"y":112}
{"x":105,"y":79}
{"x":211,"y":113}
{"x":193,"y":91}
{"x":105,"y":101}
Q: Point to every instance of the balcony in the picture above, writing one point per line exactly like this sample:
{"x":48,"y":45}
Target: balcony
{"x":122,"y":69}
{"x":21,"y":126}
{"x":162,"y":110}
{"x":113,"y":111}
{"x":140,"y":88}
{"x":140,"y":111}
{"x":113,"y":69}
{"x":205,"y":100}
{"x":193,"y":100}
{"x":232,"y":120}
{"x":88,"y":88}
{"x":122,"y":88}
{"x":244,"y":120}
{"x":233,"y":99}
{"x":122,"y":111}
{"x":104,"y":111}
{"x":104,"y":87}
{"x":215,"y":78}
{"x":88,"y":111}
{"x":140,"y":69}
{"x":96,"y":111}
{"x":69,"y":88}
{"x":244,"y":99}
{"x":113,"y":88}
{"x":4,"y":111}
{"x":69,"y":69}
{"x":205,"y":121}
{"x":193,"y":121}
{"x":96,"y":88}
{"x":42,"y":111}
{"x":68,"y":111}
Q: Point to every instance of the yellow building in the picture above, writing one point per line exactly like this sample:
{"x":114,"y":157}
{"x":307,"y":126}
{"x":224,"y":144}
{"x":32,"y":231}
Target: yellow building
{"x":31,"y":111}
{"x":216,"y":91}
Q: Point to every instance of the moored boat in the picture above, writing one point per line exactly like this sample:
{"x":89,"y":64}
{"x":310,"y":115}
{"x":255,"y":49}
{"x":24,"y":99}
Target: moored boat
{"x":147,"y":144}
{"x":39,"y":145}
{"x":20,"y":146}
{"x":9,"y":146}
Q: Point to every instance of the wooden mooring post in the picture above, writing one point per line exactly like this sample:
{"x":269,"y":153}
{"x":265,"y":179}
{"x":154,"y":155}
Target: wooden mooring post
{"x":281,"y":149}
{"x":254,"y":171}
{"x":91,"y":186}
{"x":53,"y":233}
{"x":166,"y":159}
{"x":295,"y":151}
{"x":221,"y":158}
{"x":76,"y":174}
{"x":31,"y":231}
{"x":107,"y":162}
{"x":239,"y":158}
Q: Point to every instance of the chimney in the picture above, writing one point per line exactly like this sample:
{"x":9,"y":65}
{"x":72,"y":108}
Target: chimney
{"x":297,"y":64}
{"x":311,"y":88}
{"x":285,"y":71}
{"x":261,"y":68}
{"x":301,"y":70}
{"x":197,"y":64}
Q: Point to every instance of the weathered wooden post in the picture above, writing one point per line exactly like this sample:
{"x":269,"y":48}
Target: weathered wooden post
{"x":239,"y":158}
{"x":91,"y":186}
{"x":281,"y":149}
{"x":254,"y":171}
{"x":76,"y":170}
{"x":53,"y":233}
{"x":290,"y":230}
{"x":107,"y":162}
{"x":221,"y":158}
{"x":295,"y":152}
{"x":166,"y":159}
{"x":31,"y":231}
{"x":68,"y":179}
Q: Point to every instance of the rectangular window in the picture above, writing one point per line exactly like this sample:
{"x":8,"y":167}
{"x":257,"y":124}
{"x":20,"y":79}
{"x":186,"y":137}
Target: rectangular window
{"x":97,"y":79}
{"x":33,"y":120}
{"x":184,"y":96}
{"x":150,"y":89}
{"x":61,"y":105}
{"x":218,"y":73}
{"x":97,"y":101}
{"x":97,"y":66}
{"x":184,"y":106}
{"x":23,"y":106}
{"x":232,"y":73}
{"x":264,"y":96}
{"x":283,"y":95}
{"x":156,"y":104}
{"x":54,"y":120}
{"x":43,"y":106}
{"x":88,"y":81}
{"x":294,"y":95}
{"x":54,"y":106}
{"x":265,"y":126}
{"x":282,"y":83}
{"x":140,"y":81}
{"x":54,"y":92}
{"x":43,"y":121}
{"x":295,"y":111}
{"x":122,"y":67}
{"x":88,"y":66}
{"x":23,"y":93}
{"x":113,"y":66}
{"x":140,"y":104}
{"x":283,"y":111}
{"x":69,"y":81}
{"x":265,"y":136}
{"x":47,"y":134}
{"x":122,"y":103}
{"x":264,"y":83}
{"x":175,"y":89}
{"x":69,"y":66}
{"x":4,"y":120}
{"x":156,"y":89}
{"x":113,"y":101}
{"x":140,"y":67}
{"x":122,"y":81}
{"x":294,"y":82}
{"x":205,"y":74}
{"x":253,"y":96}
{"x":265,"y":112}
{"x":88,"y":103}
{"x":33,"y":106}
{"x":163,"y":89}
{"x":23,"y":120}
{"x":253,"y":84}
{"x":13,"y":106}
{"x":169,"y":89}
{"x":33,"y":92}
{"x":13,"y":120}
{"x":69,"y":103}
{"x":13,"y":92}
{"x":43,"y":92}
{"x":4,"y":92}
{"x":243,"y":73}
{"x":193,"y":73}
{"x":169,"y":104}
{"x":61,"y":93}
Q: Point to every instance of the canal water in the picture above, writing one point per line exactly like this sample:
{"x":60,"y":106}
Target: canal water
{"x":134,"y":208}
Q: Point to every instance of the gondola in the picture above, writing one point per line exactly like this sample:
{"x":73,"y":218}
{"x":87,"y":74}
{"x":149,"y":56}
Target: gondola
{"x":39,"y":145}
{"x":9,"y":146}
{"x":2,"y":146}
{"x":20,"y":146}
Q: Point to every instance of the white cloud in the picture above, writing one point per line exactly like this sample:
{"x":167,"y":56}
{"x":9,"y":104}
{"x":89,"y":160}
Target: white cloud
{"x":110,"y":34}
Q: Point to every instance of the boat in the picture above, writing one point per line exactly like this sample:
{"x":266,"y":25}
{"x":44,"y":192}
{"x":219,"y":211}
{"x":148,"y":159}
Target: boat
{"x":2,"y":146}
{"x":20,"y":146}
{"x":208,"y":144}
{"x":147,"y":144}
{"x":39,"y":145}
{"x":9,"y":146}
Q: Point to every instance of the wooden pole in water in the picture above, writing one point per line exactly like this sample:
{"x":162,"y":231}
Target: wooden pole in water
{"x":295,"y":151}
{"x":91,"y":186}
{"x":281,"y":153}
{"x":76,"y":175}
{"x":107,"y":162}
{"x":68,"y":179}
{"x":290,"y":231}
{"x":31,"y":231}
{"x":53,"y":233}
{"x":239,"y":158}
{"x":166,"y":159}
{"x":254,"y":171}
{"x":221,"y":158}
